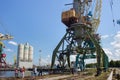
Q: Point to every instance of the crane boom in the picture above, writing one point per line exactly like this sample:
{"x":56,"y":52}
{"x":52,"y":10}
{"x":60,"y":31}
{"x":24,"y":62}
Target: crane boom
{"x":83,"y":8}
{"x":84,"y":11}
{"x":3,"y":55}
{"x":6,"y":37}
{"x":97,"y":15}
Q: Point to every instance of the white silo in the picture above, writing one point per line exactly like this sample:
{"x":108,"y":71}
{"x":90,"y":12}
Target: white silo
{"x":26,"y":56}
{"x":26,"y":50}
{"x":20,"y":51}
{"x":30,"y":55}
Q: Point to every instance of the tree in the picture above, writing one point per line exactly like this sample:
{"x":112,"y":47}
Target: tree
{"x":114,"y":63}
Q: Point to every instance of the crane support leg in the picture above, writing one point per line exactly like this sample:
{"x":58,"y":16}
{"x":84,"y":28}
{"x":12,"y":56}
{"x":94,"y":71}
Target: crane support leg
{"x":56,"y":50}
{"x":101,"y":56}
{"x":79,"y":40}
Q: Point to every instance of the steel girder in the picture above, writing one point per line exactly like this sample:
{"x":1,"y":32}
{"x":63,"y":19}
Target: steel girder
{"x":77,"y":40}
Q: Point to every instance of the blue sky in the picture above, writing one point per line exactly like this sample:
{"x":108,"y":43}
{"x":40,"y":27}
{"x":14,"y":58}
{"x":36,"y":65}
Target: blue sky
{"x":39,"y":23}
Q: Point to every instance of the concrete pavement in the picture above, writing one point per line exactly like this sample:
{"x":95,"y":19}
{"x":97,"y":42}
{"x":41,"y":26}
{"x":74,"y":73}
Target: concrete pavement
{"x":56,"y":78}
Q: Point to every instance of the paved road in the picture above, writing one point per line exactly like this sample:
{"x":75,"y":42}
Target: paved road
{"x":117,"y":71}
{"x":56,"y":78}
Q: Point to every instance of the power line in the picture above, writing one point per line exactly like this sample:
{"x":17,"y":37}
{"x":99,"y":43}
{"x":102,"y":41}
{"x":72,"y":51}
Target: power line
{"x":111,"y":6}
{"x":4,"y":28}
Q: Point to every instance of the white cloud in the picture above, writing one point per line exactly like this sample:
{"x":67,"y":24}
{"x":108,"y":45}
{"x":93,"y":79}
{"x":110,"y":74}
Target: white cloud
{"x":13,"y":43}
{"x":117,"y":53}
{"x":46,"y":61}
{"x":48,"y":56}
{"x":116,"y":42}
{"x":104,"y":36}
{"x":108,"y":52}
{"x":87,"y":61}
{"x":72,"y":57}
{"x":9,"y":50}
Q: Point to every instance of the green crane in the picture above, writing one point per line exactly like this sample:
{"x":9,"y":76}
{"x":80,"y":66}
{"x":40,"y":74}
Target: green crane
{"x":81,"y":37}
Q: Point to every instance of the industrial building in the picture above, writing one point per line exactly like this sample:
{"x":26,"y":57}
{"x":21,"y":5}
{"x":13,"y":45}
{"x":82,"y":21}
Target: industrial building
{"x":25,"y":56}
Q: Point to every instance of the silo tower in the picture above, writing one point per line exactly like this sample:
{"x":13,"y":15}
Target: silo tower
{"x":25,"y":55}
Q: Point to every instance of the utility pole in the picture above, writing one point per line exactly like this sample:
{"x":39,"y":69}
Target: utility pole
{"x":15,"y":61}
{"x":40,"y":58}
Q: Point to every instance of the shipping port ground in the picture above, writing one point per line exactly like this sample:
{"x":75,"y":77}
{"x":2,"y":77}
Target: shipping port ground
{"x":88,"y":74}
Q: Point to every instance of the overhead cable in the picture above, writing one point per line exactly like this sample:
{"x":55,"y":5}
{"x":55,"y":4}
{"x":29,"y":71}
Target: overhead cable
{"x":111,"y":6}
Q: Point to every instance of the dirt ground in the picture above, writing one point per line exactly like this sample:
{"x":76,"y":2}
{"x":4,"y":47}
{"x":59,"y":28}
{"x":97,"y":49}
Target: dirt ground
{"x":86,"y":75}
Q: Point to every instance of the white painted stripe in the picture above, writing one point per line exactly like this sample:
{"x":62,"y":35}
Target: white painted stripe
{"x":110,"y":76}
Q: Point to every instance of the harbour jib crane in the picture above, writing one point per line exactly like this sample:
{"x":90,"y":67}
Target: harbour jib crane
{"x":81,"y":39}
{"x":5,"y":37}
{"x":3,"y":55}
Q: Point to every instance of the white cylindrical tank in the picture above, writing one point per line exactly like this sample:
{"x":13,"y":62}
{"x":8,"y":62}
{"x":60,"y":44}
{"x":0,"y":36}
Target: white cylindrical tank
{"x":30,"y":56}
{"x":26,"y":51}
{"x":20,"y":51}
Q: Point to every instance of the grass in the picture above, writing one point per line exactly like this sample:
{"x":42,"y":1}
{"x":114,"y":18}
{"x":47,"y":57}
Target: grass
{"x":88,"y":74}
{"x":102,"y":76}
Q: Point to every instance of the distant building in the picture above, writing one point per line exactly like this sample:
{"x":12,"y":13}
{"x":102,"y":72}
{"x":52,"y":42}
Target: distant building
{"x":25,"y":56}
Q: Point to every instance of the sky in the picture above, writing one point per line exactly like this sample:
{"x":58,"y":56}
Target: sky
{"x":38,"y":22}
